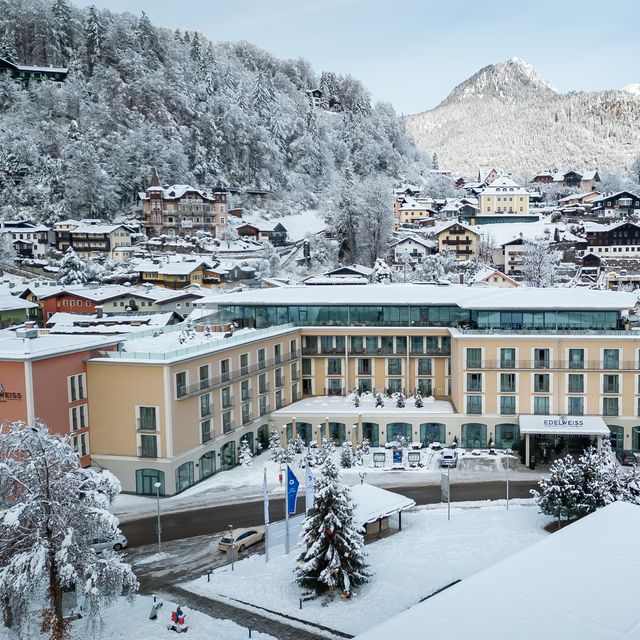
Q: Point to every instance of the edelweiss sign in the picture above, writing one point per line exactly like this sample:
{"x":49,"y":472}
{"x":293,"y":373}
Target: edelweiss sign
{"x":563,"y":425}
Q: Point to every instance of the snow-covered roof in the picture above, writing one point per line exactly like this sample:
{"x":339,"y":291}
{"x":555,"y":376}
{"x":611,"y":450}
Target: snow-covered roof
{"x":97,"y":228}
{"x":177,"y":191}
{"x":14,"y":348}
{"x":373,"y":503}
{"x":335,"y":280}
{"x":62,"y":322}
{"x":298,"y":226}
{"x":441,"y":229}
{"x":429,"y":244}
{"x":578,"y":196}
{"x":411,"y":294}
{"x":12,"y":303}
{"x":487,"y":272}
{"x":502,"y":184}
{"x":24,"y":228}
{"x":550,"y":585}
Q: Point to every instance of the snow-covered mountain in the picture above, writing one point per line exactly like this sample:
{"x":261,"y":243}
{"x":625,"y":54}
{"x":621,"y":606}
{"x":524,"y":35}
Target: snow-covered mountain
{"x":633,"y":88}
{"x":508,"y":115}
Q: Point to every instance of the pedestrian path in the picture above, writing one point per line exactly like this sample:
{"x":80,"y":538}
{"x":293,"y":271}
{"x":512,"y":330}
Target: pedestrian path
{"x":251,"y":619}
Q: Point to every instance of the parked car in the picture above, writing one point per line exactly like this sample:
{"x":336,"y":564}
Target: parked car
{"x":627,"y":458}
{"x":391,"y":444}
{"x":416,"y":445}
{"x":242,"y":538}
{"x":101,"y":544}
{"x":449,"y":458}
{"x":436,"y":446}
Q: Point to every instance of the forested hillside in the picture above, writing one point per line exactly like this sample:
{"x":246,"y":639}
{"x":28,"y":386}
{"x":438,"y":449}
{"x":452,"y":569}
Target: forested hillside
{"x":213,"y":114}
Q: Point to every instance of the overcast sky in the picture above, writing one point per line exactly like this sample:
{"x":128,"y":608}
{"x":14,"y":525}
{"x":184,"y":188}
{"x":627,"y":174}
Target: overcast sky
{"x":413,"y":52}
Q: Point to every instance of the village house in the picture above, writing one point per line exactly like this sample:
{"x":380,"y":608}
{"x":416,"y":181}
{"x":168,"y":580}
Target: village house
{"x":622,"y":204}
{"x":177,"y":275}
{"x":504,"y":198}
{"x":620,"y":240}
{"x":181,"y":209}
{"x":25,"y":74}
{"x":273,"y":232}
{"x":459,"y":238}
{"x":585,"y":180}
{"x":415,"y":247}
{"x":579,"y":199}
{"x":492,"y":277}
{"x":411,"y":211}
{"x":29,"y":239}
{"x":93,"y":238}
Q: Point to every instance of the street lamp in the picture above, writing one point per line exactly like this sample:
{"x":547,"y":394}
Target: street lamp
{"x":233,"y":544}
{"x":508,"y":453}
{"x":157,"y":485}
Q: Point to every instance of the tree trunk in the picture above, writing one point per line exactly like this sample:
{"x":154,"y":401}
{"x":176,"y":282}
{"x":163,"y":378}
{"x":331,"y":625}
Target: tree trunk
{"x":57,"y":625}
{"x":7,"y":612}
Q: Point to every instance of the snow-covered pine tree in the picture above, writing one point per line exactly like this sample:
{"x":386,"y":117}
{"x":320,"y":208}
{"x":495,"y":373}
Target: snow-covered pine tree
{"x":73,"y":270}
{"x":379,"y":400}
{"x":298,"y":444}
{"x":277,"y":453}
{"x":596,"y":480}
{"x":333,"y":555}
{"x":400,"y":400}
{"x":560,"y":493}
{"x":94,"y":37}
{"x":246,"y":457}
{"x":417,"y":400}
{"x":51,"y":510}
{"x":326,"y":451}
{"x":365,"y":446}
{"x":346,"y":455}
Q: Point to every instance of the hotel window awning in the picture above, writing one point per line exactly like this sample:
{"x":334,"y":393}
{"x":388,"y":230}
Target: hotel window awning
{"x":563,"y":425}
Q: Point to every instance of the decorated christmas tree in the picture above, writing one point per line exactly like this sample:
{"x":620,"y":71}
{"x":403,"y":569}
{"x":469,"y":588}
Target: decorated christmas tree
{"x":333,"y":556}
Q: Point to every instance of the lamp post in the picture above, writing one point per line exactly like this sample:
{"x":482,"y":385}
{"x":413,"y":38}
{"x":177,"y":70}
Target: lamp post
{"x":508,"y":453}
{"x":233,"y":544}
{"x":157,"y":485}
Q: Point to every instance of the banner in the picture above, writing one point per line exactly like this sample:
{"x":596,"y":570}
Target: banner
{"x":310,"y":482}
{"x":265,"y":495}
{"x":292,"y":491}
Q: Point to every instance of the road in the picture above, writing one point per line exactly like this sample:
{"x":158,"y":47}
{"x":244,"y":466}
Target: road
{"x":198,"y":522}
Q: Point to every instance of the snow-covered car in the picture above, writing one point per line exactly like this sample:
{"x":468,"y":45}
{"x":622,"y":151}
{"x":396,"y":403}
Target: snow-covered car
{"x":436,"y":446}
{"x":392,"y":444}
{"x":476,"y":452}
{"x":449,"y":458}
{"x":101,"y":544}
{"x":242,"y":538}
{"x":416,"y":445}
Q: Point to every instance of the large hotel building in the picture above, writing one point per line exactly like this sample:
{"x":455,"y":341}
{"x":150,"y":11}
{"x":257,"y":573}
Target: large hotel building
{"x":492,"y":364}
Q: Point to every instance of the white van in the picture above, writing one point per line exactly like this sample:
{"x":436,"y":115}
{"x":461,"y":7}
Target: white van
{"x":117,"y":543}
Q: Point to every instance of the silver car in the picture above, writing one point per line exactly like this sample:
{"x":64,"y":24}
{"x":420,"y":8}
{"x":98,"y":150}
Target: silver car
{"x":449,"y":458}
{"x":100,"y":544}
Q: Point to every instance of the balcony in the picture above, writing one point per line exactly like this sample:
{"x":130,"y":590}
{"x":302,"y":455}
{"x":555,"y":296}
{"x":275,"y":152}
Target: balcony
{"x":279,"y":382}
{"x":569,"y":365}
{"x":205,"y":412}
{"x":246,"y":395}
{"x":247,"y":418}
{"x":227,"y":403}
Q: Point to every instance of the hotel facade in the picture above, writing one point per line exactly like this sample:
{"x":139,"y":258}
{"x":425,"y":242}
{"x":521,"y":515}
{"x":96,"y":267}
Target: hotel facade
{"x":492,"y":364}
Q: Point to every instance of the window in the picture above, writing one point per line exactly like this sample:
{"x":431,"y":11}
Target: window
{"x":78,"y":417}
{"x":203,"y":375}
{"x":261,"y":358}
{"x":610,"y":383}
{"x":474,"y":358}
{"x":225,"y":370}
{"x":575,"y":406}
{"x":508,"y":382}
{"x":225,"y":395}
{"x":277,"y":353}
{"x":474,"y":382}
{"x":76,"y":387}
{"x":306,"y":366}
{"x":474,"y":404}
{"x":507,"y":358}
{"x":576,"y":358}
{"x":394,"y":385}
{"x":262,"y":405}
{"x":244,"y":364}
{"x":541,"y":358}
{"x":184,"y":476}
{"x":576,"y":383}
{"x":507,"y":405}
{"x":245,"y":392}
{"x":424,"y":366}
{"x":226,"y":422}
{"x":147,"y":418}
{"x":262,"y":383}
{"x":417,"y":344}
{"x":611,"y":360}
{"x":205,"y":431}
{"x":541,"y":382}
{"x":279,"y":399}
{"x":541,"y":405}
{"x":364,"y":367}
{"x":205,"y":405}
{"x":334,"y":366}
{"x":293,"y":348}
{"x":148,"y":446}
{"x":394,"y":366}
{"x":181,"y":384}
{"x":610,"y":406}
{"x":80,"y":444}
{"x":246,"y":413}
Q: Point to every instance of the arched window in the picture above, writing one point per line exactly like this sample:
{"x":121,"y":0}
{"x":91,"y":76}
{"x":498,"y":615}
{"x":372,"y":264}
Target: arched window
{"x":474,"y":435}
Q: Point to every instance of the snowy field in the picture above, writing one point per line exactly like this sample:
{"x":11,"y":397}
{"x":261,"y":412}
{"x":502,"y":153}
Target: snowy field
{"x":245,"y":483}
{"x":124,"y":621}
{"x":429,"y":554}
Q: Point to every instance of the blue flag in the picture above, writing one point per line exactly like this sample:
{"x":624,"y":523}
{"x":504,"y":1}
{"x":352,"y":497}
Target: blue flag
{"x":292,"y":491}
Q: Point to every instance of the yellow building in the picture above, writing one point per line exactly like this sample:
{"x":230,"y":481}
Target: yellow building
{"x":507,"y":365}
{"x":459,"y":238}
{"x":504,"y":197}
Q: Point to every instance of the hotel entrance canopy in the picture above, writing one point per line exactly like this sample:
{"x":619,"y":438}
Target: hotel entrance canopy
{"x":563,"y":425}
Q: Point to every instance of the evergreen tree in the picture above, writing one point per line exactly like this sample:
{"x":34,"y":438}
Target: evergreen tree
{"x":72,"y":269}
{"x":298,"y":444}
{"x":63,"y":26}
{"x":417,"y":400}
{"x":346,"y":456}
{"x":434,"y":161}
{"x":333,"y":555}
{"x":277,"y":453}
{"x":94,"y":37}
{"x":51,"y":512}
{"x":326,"y":451}
{"x":400,"y":400}
{"x":246,"y":457}
{"x":8,"y":49}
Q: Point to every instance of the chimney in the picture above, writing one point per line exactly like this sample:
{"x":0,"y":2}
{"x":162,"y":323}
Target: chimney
{"x":99,"y":313}
{"x":155,"y":180}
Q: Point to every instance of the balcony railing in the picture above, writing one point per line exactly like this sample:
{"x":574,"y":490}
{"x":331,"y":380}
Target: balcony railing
{"x":569,"y":365}
{"x":231,"y":376}
{"x":247,"y":418}
{"x":227,"y":403}
{"x":245,"y":395}
{"x":205,"y":412}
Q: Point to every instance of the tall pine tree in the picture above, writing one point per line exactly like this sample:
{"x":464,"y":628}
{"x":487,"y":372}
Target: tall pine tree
{"x":333,"y":555}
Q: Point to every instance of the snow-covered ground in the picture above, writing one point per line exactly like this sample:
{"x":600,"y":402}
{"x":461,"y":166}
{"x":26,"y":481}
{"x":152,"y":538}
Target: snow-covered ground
{"x":125,"y":621}
{"x":428,"y":554}
{"x":245,"y":483}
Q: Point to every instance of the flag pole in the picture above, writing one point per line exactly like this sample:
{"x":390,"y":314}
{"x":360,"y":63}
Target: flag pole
{"x":265,"y":489}
{"x":286,"y":517}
